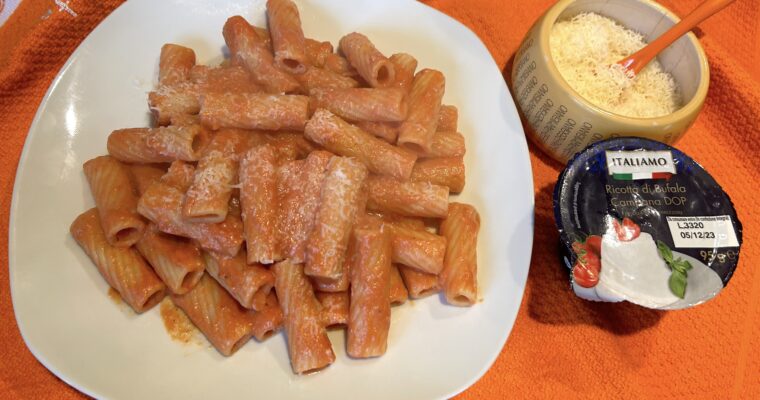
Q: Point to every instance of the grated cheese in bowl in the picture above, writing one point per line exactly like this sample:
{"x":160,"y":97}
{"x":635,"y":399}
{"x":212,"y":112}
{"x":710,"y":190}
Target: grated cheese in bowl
{"x":585,"y":50}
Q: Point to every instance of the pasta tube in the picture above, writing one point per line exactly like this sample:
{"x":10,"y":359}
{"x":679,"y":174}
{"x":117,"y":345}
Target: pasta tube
{"x":170,"y":101}
{"x":413,"y":199}
{"x":207,"y":199}
{"x":419,"y":284}
{"x":363,"y":104}
{"x":308,"y":346}
{"x":318,"y":78}
{"x":416,"y":133}
{"x":162,"y":204}
{"x":267,"y":321}
{"x":445,"y":144}
{"x":121,"y":267}
{"x":174,"y":64}
{"x":397,"y":293}
{"x":340,"y":137}
{"x":335,"y":308}
{"x":179,"y":176}
{"x":338,"y":208}
{"x":370,"y":309}
{"x":405,"y":66}
{"x":248,"y":284}
{"x":177,"y":261}
{"x":387,"y":131}
{"x":144,"y":175}
{"x":115,"y":198}
{"x":258,"y":199}
{"x":368,"y":61}
{"x":287,"y":36}
{"x":226,"y":324}
{"x":443,"y":171}
{"x":459,"y":277}
{"x":317,"y":52}
{"x":250,"y":50}
{"x":299,"y":186}
{"x":417,"y":248}
{"x":130,"y":145}
{"x":340,"y":65}
{"x":254,"y":111}
{"x":448,"y":119}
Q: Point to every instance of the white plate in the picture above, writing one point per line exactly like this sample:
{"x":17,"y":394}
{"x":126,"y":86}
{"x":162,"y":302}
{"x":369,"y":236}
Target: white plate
{"x":60,"y":301}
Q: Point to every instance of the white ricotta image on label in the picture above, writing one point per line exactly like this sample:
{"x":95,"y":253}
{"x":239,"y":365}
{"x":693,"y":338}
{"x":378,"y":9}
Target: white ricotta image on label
{"x":635,"y":271}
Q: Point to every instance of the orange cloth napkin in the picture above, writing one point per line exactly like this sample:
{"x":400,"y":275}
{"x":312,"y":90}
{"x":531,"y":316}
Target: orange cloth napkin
{"x":561,"y":346}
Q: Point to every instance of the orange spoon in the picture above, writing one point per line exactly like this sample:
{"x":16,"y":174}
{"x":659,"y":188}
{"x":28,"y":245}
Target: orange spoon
{"x":638,"y":60}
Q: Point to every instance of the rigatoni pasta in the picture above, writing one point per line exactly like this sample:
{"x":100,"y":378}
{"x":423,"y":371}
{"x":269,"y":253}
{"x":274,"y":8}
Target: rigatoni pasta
{"x":162,"y":204}
{"x":397,"y":291}
{"x":342,"y":283}
{"x":156,"y":145}
{"x":413,"y":199}
{"x":320,"y":78}
{"x":248,"y":284}
{"x":287,"y":37}
{"x":247,"y":47}
{"x":174,"y":64}
{"x":417,"y":248}
{"x":226,"y":324}
{"x":445,"y":144}
{"x":290,"y":187}
{"x":173,"y":101}
{"x":208,"y":197}
{"x":425,"y":95}
{"x":362,"y":104}
{"x":268,"y":321}
{"x":144,"y":175}
{"x":177,"y":261}
{"x":121,"y":267}
{"x":342,"y":138}
{"x":460,"y":271}
{"x":369,"y":316}
{"x":419,"y":284}
{"x":254,"y":111}
{"x":258,"y":201}
{"x":308,"y":346}
{"x":340,"y":65}
{"x":442,"y":171}
{"x":180,"y":176}
{"x":317,"y":52}
{"x":448,"y":119}
{"x":111,"y":187}
{"x":405,"y":65}
{"x":130,"y":145}
{"x":387,"y":131}
{"x":368,"y":61}
{"x":339,"y":205}
{"x":299,"y":187}
{"x":334,"y":308}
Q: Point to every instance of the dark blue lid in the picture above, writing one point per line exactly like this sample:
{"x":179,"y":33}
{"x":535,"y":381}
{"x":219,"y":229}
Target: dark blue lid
{"x":640,"y":185}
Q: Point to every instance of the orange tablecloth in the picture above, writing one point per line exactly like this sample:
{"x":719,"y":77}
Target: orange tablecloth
{"x":561,"y":346}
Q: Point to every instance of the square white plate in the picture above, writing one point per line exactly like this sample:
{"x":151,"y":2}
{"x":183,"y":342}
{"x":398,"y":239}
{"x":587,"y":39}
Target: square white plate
{"x":60,"y":301}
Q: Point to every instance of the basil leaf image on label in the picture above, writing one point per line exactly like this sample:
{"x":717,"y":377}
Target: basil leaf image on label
{"x":679,"y":268}
{"x":677,"y":283}
{"x":665,"y":252}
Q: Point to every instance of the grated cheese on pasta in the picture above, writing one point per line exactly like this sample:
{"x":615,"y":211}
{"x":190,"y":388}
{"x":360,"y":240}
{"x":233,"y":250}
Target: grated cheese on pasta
{"x":585,"y":50}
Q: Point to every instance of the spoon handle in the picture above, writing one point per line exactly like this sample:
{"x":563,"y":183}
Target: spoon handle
{"x":637,"y":61}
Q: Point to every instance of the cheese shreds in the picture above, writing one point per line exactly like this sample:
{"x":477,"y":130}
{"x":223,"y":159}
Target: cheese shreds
{"x":585,"y":50}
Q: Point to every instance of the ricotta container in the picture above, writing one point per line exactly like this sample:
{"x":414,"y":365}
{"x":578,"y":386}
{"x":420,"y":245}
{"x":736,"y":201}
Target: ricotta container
{"x":640,"y":221}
